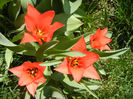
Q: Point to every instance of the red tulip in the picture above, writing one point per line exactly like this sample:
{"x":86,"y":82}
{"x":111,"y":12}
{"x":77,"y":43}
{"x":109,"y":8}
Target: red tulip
{"x":99,"y":40}
{"x":30,"y":75}
{"x":80,"y":66}
{"x":39,"y":26}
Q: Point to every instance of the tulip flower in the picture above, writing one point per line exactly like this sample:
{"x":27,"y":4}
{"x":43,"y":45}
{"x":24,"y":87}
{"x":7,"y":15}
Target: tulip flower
{"x":99,"y":40}
{"x":80,"y":67}
{"x":30,"y":75}
{"x":39,"y":25}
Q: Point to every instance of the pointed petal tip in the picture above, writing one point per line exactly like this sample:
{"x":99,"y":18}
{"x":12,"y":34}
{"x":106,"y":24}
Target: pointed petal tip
{"x":91,"y":72}
{"x":32,"y":88}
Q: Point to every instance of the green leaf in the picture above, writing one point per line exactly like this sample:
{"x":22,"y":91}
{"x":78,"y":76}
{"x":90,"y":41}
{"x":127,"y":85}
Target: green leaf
{"x":1,"y":77}
{"x":73,"y":54}
{"x":21,"y":28}
{"x":52,"y":92}
{"x":25,"y":2}
{"x":73,"y":23}
{"x":57,"y":6}
{"x":51,"y":63}
{"x":71,"y":6}
{"x":43,"y":48}
{"x":44,"y":5}
{"x":27,"y":95}
{"x":93,"y":87}
{"x":26,"y":48}
{"x":8,"y":57}
{"x":102,"y":71}
{"x":19,"y":21}
{"x":87,"y":89}
{"x":57,"y":76}
{"x":4,"y":41}
{"x":48,"y":71}
{"x":111,"y":54}
{"x":56,"y":52}
{"x":66,"y":43}
{"x":3,"y":2}
{"x":72,"y":83}
{"x":14,"y":9}
{"x":109,"y":34}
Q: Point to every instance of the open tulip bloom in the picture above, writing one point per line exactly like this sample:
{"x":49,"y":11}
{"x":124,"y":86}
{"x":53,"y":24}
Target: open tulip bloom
{"x":80,"y":66}
{"x":99,"y":40}
{"x":39,"y":26}
{"x":30,"y":75}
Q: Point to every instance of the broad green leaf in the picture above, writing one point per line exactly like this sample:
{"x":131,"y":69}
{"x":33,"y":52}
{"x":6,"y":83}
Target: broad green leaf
{"x":26,"y":48}
{"x":87,"y":89}
{"x":27,"y":95}
{"x":111,"y":54}
{"x":50,"y":63}
{"x":25,"y":2}
{"x":3,"y":2}
{"x":50,"y":91}
{"x":57,"y":76}
{"x":8,"y":57}
{"x":4,"y":41}
{"x":66,"y":43}
{"x":102,"y":71}
{"x":73,"y":54}
{"x":109,"y":34}
{"x":56,"y":52}
{"x":48,"y":71}
{"x":21,"y":28}
{"x":44,"y":5}
{"x":80,"y":86}
{"x":80,"y":13}
{"x":56,"y":5}
{"x":44,"y":47}
{"x":71,"y":6}
{"x":93,"y":87}
{"x":19,"y":22}
{"x":14,"y":9}
{"x":1,"y":77}
{"x":73,"y":23}
{"x":72,"y":83}
{"x":18,"y":37}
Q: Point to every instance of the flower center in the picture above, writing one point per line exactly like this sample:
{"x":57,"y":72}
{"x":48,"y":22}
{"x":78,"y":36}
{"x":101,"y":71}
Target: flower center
{"x":39,"y":32}
{"x":32,"y":71}
{"x":75,"y":63}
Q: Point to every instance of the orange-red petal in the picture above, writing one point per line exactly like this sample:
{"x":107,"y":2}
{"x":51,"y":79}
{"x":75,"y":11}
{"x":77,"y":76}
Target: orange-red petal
{"x":30,"y":23}
{"x":32,"y":88}
{"x":17,"y":70}
{"x":80,"y":46}
{"x":40,"y":80}
{"x":103,"y":32}
{"x":63,"y":67}
{"x":33,"y":12}
{"x":25,"y":79}
{"x":47,"y":18}
{"x":50,"y":30}
{"x":77,"y":73}
{"x":91,"y":72}
{"x":106,"y":47}
{"x":89,"y":59}
{"x":28,"y":38}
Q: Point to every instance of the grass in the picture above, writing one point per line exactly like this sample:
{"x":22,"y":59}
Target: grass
{"x":117,"y":83}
